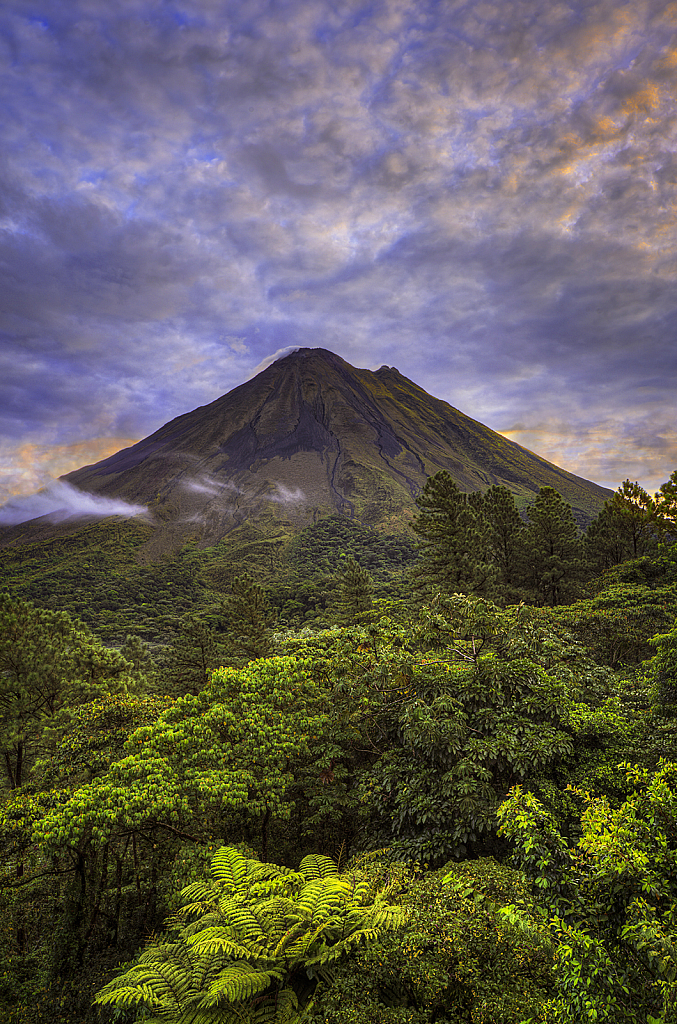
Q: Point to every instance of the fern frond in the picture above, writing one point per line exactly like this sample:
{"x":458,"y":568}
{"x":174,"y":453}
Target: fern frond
{"x":238,"y":982}
{"x":244,"y":921}
{"x":230,"y":868}
{"x":200,"y":892}
{"x":282,"y":1008}
{"x":122,"y":995}
{"x":212,"y":919}
{"x":282,"y":885}
{"x":315,"y":865}
{"x":217,"y":939}
{"x":321,"y":896}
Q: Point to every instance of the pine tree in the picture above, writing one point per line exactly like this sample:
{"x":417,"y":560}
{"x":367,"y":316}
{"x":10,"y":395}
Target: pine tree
{"x":195,"y":653}
{"x":353,"y":594}
{"x":626,"y":528}
{"x":665,"y":504}
{"x":553,"y":564}
{"x":505,"y":529}
{"x":455,"y":544}
{"x":248,"y":620}
{"x":47,"y":661}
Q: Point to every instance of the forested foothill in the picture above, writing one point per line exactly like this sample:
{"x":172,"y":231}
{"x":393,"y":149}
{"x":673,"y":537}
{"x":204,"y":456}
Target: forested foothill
{"x":346,"y":777}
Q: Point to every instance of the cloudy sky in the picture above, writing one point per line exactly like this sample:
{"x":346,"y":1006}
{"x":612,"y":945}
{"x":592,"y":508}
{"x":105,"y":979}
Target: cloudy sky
{"x":479,"y":193}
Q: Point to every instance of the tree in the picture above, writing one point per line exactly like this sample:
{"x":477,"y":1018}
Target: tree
{"x":353,"y":594}
{"x":222,"y":756}
{"x":610,"y":898}
{"x":458,"y":956}
{"x":505,"y":529}
{"x":666,"y":506}
{"x":553,"y":565}
{"x":46,"y":662}
{"x":189,"y":662}
{"x":253,"y":942}
{"x":454,"y":544}
{"x":247,"y":619}
{"x":496,"y":698}
{"x":626,"y":528}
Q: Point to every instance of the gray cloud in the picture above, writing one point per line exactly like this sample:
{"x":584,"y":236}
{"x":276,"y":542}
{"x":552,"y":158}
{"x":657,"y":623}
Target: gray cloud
{"x":482,"y":195}
{"x":60,"y":501}
{"x":287,"y":495}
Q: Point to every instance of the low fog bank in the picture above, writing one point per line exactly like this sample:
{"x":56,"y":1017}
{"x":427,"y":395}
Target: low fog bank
{"x":59,"y":501}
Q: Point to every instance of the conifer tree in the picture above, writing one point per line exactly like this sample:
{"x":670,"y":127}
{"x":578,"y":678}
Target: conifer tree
{"x":454,"y":539}
{"x":248,"y":620}
{"x":666,"y":506}
{"x":195,"y":653}
{"x":626,"y":528}
{"x":505,"y":529}
{"x":46,"y":661}
{"x":553,"y":564}
{"x":353,"y":594}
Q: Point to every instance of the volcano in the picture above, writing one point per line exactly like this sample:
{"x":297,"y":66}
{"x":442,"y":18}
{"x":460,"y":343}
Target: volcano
{"x":311,"y":436}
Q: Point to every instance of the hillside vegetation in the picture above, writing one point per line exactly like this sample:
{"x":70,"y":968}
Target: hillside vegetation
{"x":347,"y":776}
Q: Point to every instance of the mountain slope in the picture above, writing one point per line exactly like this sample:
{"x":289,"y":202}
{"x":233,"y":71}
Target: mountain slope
{"x":309,"y":436}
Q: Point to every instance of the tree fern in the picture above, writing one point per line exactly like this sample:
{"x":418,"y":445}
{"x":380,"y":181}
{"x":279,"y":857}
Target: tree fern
{"x":252,"y":943}
{"x":317,"y":866}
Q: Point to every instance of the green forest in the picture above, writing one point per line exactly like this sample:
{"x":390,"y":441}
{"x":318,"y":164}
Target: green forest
{"x":345,"y":777}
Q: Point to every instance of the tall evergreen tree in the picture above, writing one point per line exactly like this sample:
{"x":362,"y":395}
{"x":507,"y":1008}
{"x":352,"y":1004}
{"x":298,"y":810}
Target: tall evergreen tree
{"x":553,"y":565}
{"x":195,"y":653}
{"x":626,"y":528}
{"x":505,"y":528}
{"x":353,"y":593}
{"x":454,"y":539}
{"x":248,"y":619}
{"x":47,"y":661}
{"x":666,"y":506}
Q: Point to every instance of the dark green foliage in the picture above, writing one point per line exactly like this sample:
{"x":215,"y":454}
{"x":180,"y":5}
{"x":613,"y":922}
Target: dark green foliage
{"x":47,"y":661}
{"x":305,"y":589}
{"x":247,"y":619}
{"x":325,"y":544}
{"x":404,"y":731}
{"x":626,"y":528}
{"x":208,"y":757}
{"x":494,"y":700}
{"x":454,"y":546}
{"x":505,"y":533}
{"x":610,"y":898}
{"x":97,"y":577}
{"x":615,"y":626}
{"x":666,"y":507}
{"x":352,"y":595}
{"x":553,"y":566}
{"x":188,"y":663}
{"x":459,"y":957}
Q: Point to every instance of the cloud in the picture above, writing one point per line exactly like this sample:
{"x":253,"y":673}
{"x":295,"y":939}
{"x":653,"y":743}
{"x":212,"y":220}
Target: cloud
{"x":269,"y":360}
{"x":286,"y":495}
{"x":61,"y":501}
{"x":207,"y":484}
{"x":32,"y":467}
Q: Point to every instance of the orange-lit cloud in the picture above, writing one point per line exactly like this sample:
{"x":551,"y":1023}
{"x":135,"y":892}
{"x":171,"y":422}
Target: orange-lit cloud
{"x":31,"y":466}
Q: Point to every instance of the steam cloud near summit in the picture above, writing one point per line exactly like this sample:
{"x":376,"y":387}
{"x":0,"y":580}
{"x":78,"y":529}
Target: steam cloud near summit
{"x":59,"y":501}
